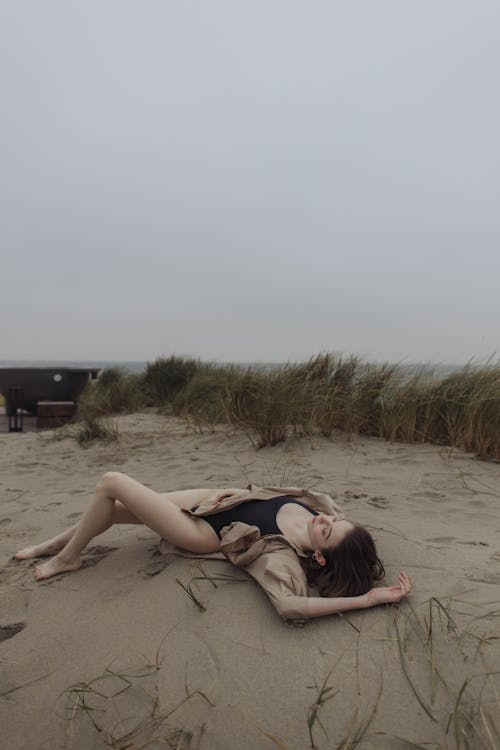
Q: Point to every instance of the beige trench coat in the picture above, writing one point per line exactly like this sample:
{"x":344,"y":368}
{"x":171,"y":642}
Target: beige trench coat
{"x":271,"y":560}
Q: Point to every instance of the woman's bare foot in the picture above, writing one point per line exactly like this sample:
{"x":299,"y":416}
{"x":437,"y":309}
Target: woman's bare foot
{"x":56,"y":565}
{"x":44,"y":549}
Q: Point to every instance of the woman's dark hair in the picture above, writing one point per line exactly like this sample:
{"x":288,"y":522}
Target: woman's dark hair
{"x":351,"y":567}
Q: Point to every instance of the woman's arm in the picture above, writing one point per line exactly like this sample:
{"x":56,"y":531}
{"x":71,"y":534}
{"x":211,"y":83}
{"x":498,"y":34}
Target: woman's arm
{"x":318,"y":605}
{"x":282,"y":578}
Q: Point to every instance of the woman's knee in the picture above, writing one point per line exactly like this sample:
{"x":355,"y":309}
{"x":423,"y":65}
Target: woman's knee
{"x":109,"y":481}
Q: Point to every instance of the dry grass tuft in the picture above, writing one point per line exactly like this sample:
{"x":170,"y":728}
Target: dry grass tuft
{"x":92,"y":428}
{"x":104,"y":703}
{"x":200,"y":574}
{"x":324,"y":694}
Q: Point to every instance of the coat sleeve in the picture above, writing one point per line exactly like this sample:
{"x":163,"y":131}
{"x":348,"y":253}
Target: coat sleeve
{"x":282,"y":578}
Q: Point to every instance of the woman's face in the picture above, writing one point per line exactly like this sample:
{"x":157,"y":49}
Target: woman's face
{"x":326,"y":533}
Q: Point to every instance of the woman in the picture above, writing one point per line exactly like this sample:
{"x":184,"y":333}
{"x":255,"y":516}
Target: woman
{"x":285,"y":538}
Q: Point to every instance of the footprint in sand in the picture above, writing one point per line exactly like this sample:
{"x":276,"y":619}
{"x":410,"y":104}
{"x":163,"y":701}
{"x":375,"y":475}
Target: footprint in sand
{"x":378,"y":502}
{"x":5,"y":521}
{"x":156,"y":565}
{"x":486,"y":578}
{"x":349,"y":494}
{"x":451,"y":539}
{"x":97,"y":553}
{"x":12,"y":571}
{"x":430,"y":495}
{"x":441,"y":539}
{"x":8,"y":631}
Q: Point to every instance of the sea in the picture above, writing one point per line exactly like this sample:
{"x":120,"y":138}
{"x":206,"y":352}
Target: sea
{"x":135,"y":366}
{"x":96,"y":364}
{"x":138,"y":366}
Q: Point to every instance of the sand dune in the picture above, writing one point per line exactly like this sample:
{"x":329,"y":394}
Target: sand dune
{"x":235,"y":675}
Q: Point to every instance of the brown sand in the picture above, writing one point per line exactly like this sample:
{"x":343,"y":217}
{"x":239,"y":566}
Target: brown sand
{"x":236,"y":675}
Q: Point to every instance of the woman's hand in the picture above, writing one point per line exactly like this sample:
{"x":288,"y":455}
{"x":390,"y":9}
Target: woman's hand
{"x":390,"y":594}
{"x":222,"y":495}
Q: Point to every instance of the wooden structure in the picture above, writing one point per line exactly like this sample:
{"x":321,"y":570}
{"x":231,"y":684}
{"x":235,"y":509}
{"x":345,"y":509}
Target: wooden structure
{"x":16,"y":417}
{"x":43,"y":384}
{"x":54,"y":413}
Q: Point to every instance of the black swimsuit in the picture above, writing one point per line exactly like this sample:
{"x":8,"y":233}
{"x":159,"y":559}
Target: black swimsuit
{"x":261,"y":513}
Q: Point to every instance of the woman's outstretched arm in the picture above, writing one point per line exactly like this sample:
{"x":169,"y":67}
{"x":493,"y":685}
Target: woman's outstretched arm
{"x":317,"y":606}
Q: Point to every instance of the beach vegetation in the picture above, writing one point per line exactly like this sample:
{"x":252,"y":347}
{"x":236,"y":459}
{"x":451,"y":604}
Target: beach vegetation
{"x":120,"y":709}
{"x":198,"y":573}
{"x":115,"y":391}
{"x":328,"y":394}
{"x":206,"y":397}
{"x":261,"y":405}
{"x":164,"y":378}
{"x":467,"y":410}
{"x":325,"y":693}
{"x":438,"y":686}
{"x":92,"y":428}
{"x":407,"y":405}
{"x":272,"y":405}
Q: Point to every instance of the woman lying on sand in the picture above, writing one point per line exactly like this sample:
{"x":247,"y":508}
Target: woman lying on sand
{"x":285,"y":538}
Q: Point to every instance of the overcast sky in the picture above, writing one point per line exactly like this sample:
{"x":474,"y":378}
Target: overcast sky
{"x":250,"y":181}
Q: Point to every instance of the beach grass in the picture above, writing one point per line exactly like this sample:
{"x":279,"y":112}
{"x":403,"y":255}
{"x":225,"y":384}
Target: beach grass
{"x":121,"y":706}
{"x":98,"y":700}
{"x":116,"y":391}
{"x":167,"y":376}
{"x":326,"y":394}
{"x":92,"y":428}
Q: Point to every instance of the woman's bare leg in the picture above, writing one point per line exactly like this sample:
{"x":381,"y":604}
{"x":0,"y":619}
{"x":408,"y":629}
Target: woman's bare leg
{"x":181,"y":498}
{"x":49,"y":547}
{"x":55,"y":544}
{"x":155,"y":511}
